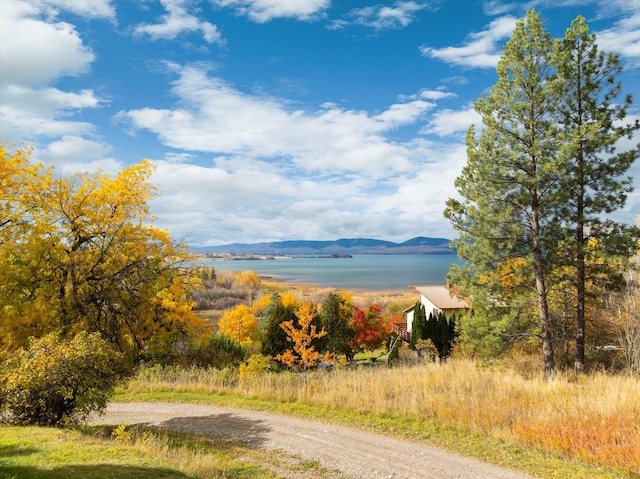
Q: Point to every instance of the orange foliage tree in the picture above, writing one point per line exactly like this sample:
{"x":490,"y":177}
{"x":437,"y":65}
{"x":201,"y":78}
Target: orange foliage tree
{"x":370,"y":328}
{"x":303,"y":356}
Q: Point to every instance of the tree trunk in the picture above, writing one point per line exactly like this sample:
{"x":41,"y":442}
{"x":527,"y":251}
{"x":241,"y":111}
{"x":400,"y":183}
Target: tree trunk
{"x":580,"y":242}
{"x":543,"y":305}
{"x":580,"y":313}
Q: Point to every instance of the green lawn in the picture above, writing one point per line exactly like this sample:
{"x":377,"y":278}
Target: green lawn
{"x":134,"y":453}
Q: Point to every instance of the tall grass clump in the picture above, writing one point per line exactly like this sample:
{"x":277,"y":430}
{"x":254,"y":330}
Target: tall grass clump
{"x":592,"y":418}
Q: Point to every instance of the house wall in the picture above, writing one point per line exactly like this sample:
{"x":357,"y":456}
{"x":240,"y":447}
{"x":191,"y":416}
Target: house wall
{"x":410,"y":315}
{"x":429,"y":307}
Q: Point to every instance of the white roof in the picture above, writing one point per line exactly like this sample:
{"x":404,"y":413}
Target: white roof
{"x":441,"y":297}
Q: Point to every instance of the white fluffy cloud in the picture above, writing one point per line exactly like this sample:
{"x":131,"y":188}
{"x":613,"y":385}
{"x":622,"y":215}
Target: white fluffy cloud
{"x":27,"y":113}
{"x":73,"y":154}
{"x":214,"y":117}
{"x":448,"y":122}
{"x":326,"y":173}
{"x":380,"y":17}
{"x":262,"y":11}
{"x":482,"y":49}
{"x":624,"y":37}
{"x":99,"y":9}
{"x":178,"y":21}
{"x":74,"y":149}
{"x":255,"y":201}
{"x":35,"y":51}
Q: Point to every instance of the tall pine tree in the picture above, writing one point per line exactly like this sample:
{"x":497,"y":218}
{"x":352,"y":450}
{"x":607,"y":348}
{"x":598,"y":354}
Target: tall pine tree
{"x":510,"y":184}
{"x":592,"y":119}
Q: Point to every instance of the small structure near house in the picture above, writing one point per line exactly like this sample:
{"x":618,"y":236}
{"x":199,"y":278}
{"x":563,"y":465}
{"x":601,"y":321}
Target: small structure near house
{"x":435,"y":299}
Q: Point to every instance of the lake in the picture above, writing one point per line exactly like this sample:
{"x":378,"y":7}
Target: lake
{"x":372,"y":272}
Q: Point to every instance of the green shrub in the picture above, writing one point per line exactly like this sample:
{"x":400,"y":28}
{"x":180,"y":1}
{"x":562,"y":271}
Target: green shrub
{"x":55,"y":382}
{"x":215,"y":351}
{"x":254,"y":366}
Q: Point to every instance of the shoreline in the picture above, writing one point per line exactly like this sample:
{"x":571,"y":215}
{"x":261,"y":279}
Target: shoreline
{"x":384,"y":273}
{"x":360,"y":295}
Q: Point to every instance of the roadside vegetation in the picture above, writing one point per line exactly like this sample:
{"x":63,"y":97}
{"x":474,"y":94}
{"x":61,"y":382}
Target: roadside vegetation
{"x":573,"y":426}
{"x":144,"y":453}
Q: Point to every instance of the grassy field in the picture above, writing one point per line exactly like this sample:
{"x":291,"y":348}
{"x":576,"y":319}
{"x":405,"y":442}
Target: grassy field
{"x":140,"y":453}
{"x":570,"y":427}
{"x":573,"y":427}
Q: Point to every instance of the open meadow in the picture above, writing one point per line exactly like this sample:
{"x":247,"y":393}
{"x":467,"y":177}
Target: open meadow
{"x":573,"y":427}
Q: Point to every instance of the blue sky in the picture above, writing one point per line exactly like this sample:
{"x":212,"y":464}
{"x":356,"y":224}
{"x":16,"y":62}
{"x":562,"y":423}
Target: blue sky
{"x":276,"y":119}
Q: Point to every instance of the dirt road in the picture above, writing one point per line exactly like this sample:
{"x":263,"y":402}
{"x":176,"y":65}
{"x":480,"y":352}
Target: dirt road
{"x":355,"y":453}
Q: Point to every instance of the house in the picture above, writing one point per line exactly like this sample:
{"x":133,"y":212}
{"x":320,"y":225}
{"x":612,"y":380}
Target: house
{"x":435,"y":299}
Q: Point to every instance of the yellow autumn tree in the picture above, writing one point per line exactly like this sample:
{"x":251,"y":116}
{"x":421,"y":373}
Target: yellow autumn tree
{"x":19,"y":180}
{"x":239,"y":323}
{"x":288,"y":299}
{"x":249,"y":281}
{"x":260,"y":304}
{"x":303,"y":356}
{"x":79,"y":253}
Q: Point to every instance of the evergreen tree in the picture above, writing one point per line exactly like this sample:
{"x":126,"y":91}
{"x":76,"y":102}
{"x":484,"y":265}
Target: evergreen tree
{"x":418,"y":325}
{"x":263,"y":321}
{"x":592,"y":123}
{"x":443,"y":340}
{"x":337,"y":324}
{"x":429,"y":328}
{"x":275,"y":341}
{"x":510,"y":184}
{"x":452,"y":327}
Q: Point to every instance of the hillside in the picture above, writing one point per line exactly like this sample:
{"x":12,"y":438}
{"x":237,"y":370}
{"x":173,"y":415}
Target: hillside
{"x":349,"y":246}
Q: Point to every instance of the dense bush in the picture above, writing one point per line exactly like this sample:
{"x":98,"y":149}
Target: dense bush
{"x":54,"y":382}
{"x":215,"y":351}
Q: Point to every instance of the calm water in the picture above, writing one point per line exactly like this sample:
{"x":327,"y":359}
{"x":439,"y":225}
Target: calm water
{"x":374,"y":272}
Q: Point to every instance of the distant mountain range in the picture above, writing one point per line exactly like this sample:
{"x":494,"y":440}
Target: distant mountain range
{"x":345,"y":246}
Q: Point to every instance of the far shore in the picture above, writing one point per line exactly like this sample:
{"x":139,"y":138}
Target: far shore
{"x":360,"y":295}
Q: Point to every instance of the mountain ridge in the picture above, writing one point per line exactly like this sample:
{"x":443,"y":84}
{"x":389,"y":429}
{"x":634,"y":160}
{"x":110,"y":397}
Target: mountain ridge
{"x":342,"y":246}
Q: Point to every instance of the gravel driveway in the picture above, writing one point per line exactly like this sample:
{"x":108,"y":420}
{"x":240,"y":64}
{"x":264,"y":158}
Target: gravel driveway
{"x":355,"y":453}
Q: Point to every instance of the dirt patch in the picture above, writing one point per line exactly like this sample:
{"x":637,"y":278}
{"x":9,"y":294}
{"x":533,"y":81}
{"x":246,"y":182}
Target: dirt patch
{"x":356,"y":454}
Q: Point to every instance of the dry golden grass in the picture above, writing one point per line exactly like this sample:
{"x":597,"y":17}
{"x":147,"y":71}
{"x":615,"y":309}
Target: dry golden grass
{"x":593,"y":418}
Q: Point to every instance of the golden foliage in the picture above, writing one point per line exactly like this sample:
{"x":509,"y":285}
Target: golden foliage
{"x":303,"y":355}
{"x":288,"y":299}
{"x":256,"y":365}
{"x":248,"y":279}
{"x":78,"y":253}
{"x":259,"y":305}
{"x":511,"y":277}
{"x":239,"y":323}
{"x":54,"y":380}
